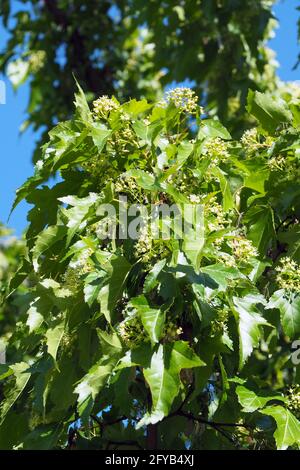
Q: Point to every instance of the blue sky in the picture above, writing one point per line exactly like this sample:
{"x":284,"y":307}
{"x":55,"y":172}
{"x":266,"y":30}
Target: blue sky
{"x":16,"y":149}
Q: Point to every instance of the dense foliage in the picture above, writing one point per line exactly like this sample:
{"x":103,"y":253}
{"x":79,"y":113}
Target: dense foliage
{"x":134,"y":48}
{"x":160,"y":342}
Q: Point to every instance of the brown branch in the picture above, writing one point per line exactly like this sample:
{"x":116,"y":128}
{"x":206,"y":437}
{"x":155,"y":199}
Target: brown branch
{"x":208,"y":422}
{"x":215,"y":425}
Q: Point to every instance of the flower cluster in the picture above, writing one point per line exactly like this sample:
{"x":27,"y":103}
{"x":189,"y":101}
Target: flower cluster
{"x":126,"y":185}
{"x":172,"y":332}
{"x":277,"y":163}
{"x":195,"y":199}
{"x":219,"y":324}
{"x":217,"y":150}
{"x":243,"y":249}
{"x":294,"y":400}
{"x":119,"y":142}
{"x":77,"y":268}
{"x":103,"y":106}
{"x":184,"y":99}
{"x":214,"y":213}
{"x":144,"y":244}
{"x":226,"y":258}
{"x":288,"y":274}
{"x":132,"y":331}
{"x":250,"y":139}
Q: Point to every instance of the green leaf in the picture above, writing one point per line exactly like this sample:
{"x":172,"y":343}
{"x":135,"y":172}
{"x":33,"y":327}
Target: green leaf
{"x":162,"y":375}
{"x":45,"y":240}
{"x":151,"y":278}
{"x":99,"y":135}
{"x":82,"y":108}
{"x":134,"y":107}
{"x":228,"y":202}
{"x":13,"y":430}
{"x":53,"y":338}
{"x":22,"y":377}
{"x":249,"y":324}
{"x":261,"y":226}
{"x":268,"y":110}
{"x":252,"y":402}
{"x":221,"y":274}
{"x":153,"y":319}
{"x":288,"y":304}
{"x":5,"y":371}
{"x":212,"y":128}
{"x":288,"y":427}
{"x":110,"y":343}
{"x":78,"y":212}
{"x":144,"y":179}
{"x":92,"y":286}
{"x":35,"y":319}
{"x":92,"y":383}
{"x":257,"y":180}
{"x":111,"y":292}
{"x":43,"y":437}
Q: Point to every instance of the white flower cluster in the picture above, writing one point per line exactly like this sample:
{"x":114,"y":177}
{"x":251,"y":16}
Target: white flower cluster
{"x":103,"y":106}
{"x":250,"y":139}
{"x":277,"y":163}
{"x":227,"y":259}
{"x":194,"y":198}
{"x":217,"y":150}
{"x":294,"y":400}
{"x":126,"y":184}
{"x":183,"y":98}
{"x":215,"y":215}
{"x":243,"y":249}
{"x":288,"y":274}
{"x":144,"y":244}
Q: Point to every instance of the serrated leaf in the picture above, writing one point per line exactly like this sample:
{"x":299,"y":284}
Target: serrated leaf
{"x":153,"y":319}
{"x":212,"y":128}
{"x":261,"y":226}
{"x":45,"y":240}
{"x":288,"y":427}
{"x":268,"y":110}
{"x":221,"y":274}
{"x":82,"y":108}
{"x":92,"y":286}
{"x":250,"y":401}
{"x":249,"y":322}
{"x":35,"y":319}
{"x":162,"y":376}
{"x":111,"y":292}
{"x":151,"y":278}
{"x":22,"y":377}
{"x":53,"y":338}
{"x":288,"y":304}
